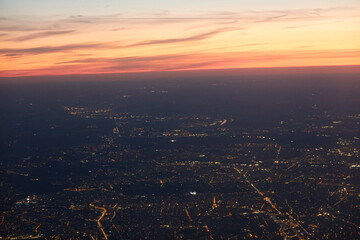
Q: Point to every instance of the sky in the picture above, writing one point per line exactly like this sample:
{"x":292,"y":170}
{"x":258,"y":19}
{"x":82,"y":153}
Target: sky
{"x":48,"y":37}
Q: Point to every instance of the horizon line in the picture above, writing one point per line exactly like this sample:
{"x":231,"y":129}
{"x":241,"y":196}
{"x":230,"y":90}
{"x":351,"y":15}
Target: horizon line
{"x":202,"y":72}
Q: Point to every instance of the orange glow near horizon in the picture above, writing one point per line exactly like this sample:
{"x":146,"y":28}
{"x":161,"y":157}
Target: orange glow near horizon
{"x":216,"y":40}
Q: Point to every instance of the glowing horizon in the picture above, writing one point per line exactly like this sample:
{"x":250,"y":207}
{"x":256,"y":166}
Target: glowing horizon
{"x":89,"y":37}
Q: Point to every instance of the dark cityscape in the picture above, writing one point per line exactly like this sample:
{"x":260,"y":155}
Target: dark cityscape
{"x":247,"y":157}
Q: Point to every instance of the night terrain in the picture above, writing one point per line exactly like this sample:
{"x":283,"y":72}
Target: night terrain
{"x":249,"y":157}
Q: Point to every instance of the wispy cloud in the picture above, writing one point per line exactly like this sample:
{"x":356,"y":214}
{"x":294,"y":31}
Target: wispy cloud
{"x":184,"y":39}
{"x":12,"y":55}
{"x":80,"y":46}
{"x":62,"y":48}
{"x":21,"y":28}
{"x":40,"y":35}
{"x":272,"y":18}
{"x":127,"y":60}
{"x":50,"y":49}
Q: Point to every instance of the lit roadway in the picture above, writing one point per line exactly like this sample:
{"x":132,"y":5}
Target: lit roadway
{"x":293,"y":222}
{"x":205,"y":226}
{"x":98,"y":221}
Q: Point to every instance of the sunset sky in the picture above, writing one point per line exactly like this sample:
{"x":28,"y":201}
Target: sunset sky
{"x":48,"y":37}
